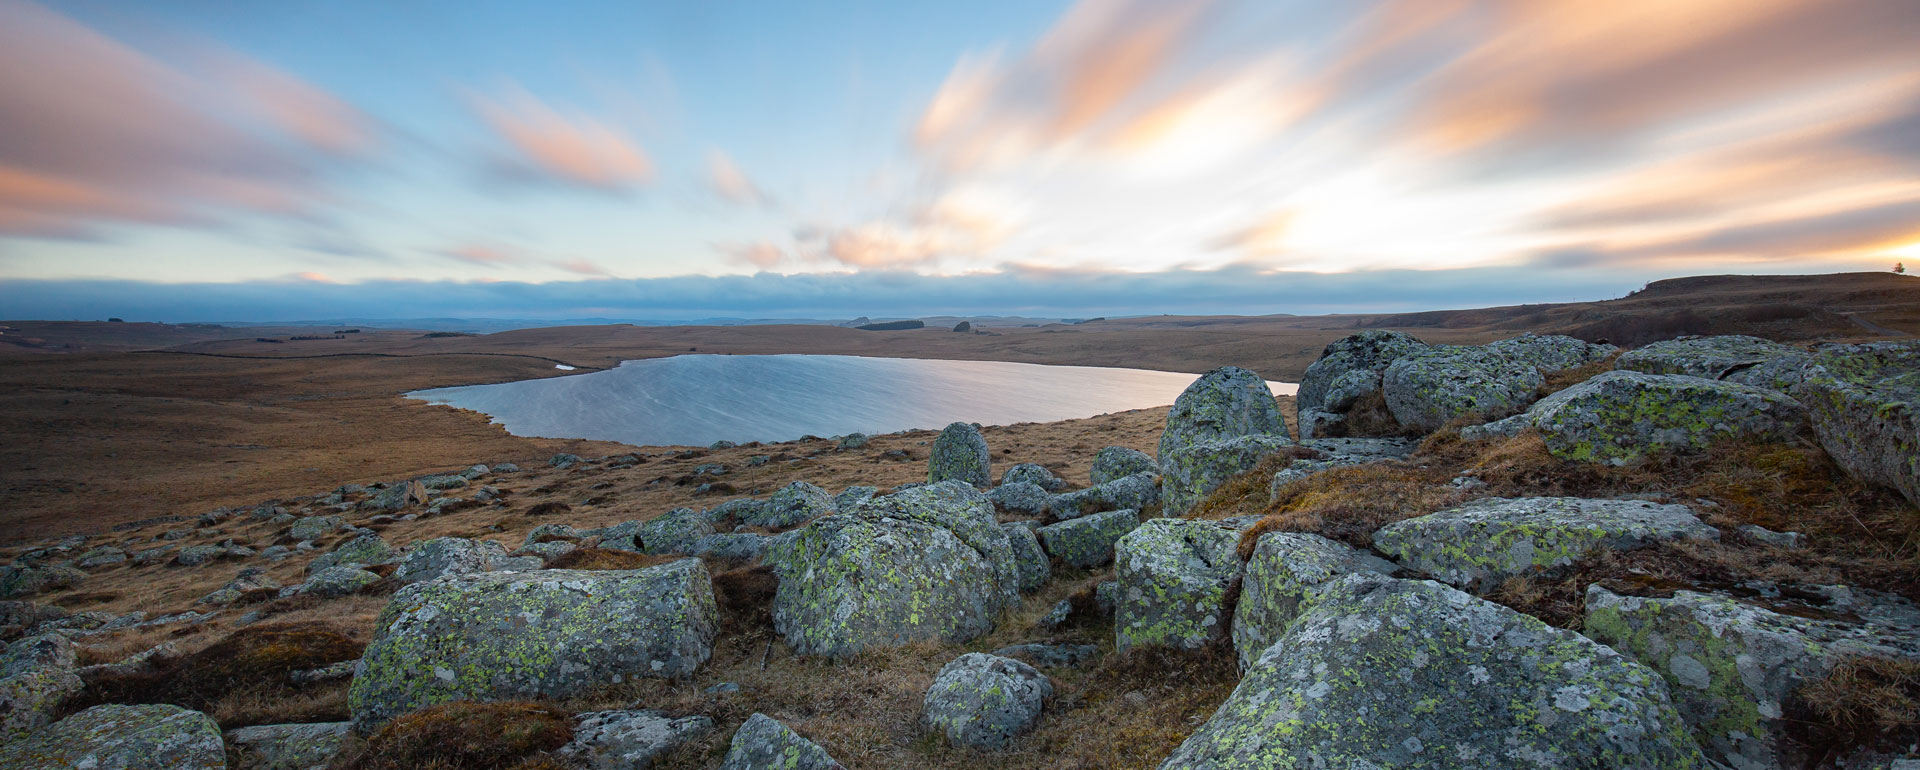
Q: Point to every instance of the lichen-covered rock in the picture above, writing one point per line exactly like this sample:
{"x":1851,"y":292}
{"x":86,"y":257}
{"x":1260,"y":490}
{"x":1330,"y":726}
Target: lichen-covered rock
{"x":288,"y":747}
{"x":741,"y":546}
{"x":792,"y":504}
{"x":984,"y":702}
{"x":1281,"y":581}
{"x":1189,"y":473}
{"x":762,"y":743}
{"x":104,"y":556}
{"x":1138,"y":492}
{"x":1386,"y":673}
{"x":443,"y":556}
{"x":960,"y":454}
{"x":1348,"y":370}
{"x":196,"y":555}
{"x":332,"y":583}
{"x":1051,"y":655}
{"x":852,"y":496}
{"x":1624,"y":417}
{"x":1116,"y":462}
{"x":628,"y":740}
{"x":1551,"y":352}
{"x":1339,"y":453}
{"x":743,"y":510}
{"x":1864,"y":402}
{"x":310,"y":527}
{"x":1479,"y":545}
{"x":1226,"y":403}
{"x":674,"y":531}
{"x":399,"y":496}
{"x":1429,"y":388}
{"x":1032,"y":561}
{"x":926,"y":563}
{"x":1732,"y":357}
{"x":247,"y":581}
{"x":120,"y":737}
{"x":564,"y":460}
{"x":19,"y":581}
{"x":1732,"y":666}
{"x":1021,"y":497}
{"x":1173,"y":576}
{"x":1088,"y":541}
{"x":36,"y":676}
{"x":364,"y":551}
{"x":1033,"y":474}
{"x":540,"y":634}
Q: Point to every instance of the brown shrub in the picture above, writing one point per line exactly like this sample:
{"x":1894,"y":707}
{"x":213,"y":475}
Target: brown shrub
{"x":253,"y":661}
{"x":607,"y":558}
{"x":1246,"y":493}
{"x":1181,"y":688}
{"x":1349,"y":504}
{"x":1862,"y":702}
{"x":467,"y":736}
{"x":745,"y":598}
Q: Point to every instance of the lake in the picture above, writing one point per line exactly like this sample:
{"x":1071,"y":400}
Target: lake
{"x":695,"y":400}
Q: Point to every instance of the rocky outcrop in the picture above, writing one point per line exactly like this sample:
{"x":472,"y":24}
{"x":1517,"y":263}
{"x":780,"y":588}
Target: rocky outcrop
{"x":1734,"y":358}
{"x":1864,"y":402}
{"x":762,"y":743}
{"x":288,"y":747}
{"x":1138,"y":492}
{"x":1116,"y":462}
{"x":984,"y":702}
{"x":1027,"y":554}
{"x":1339,"y":453}
{"x":1283,"y":578}
{"x":18,"y":580}
{"x":624,"y":740}
{"x":926,"y":563}
{"x":792,"y":505}
{"x":675,"y":531}
{"x":1348,"y":370}
{"x":541,"y":634}
{"x":1625,"y":417}
{"x":1551,"y":352}
{"x":1190,"y":473}
{"x":36,"y":676}
{"x":1481,"y":544}
{"x":1226,"y":403}
{"x":1087,"y":542}
{"x":332,"y":583}
{"x":443,"y":556}
{"x":960,"y":454}
{"x":1388,"y":673}
{"x":1173,"y":576}
{"x":1427,"y":389}
{"x":119,"y":737}
{"x":1034,"y":474}
{"x":1731,"y":666}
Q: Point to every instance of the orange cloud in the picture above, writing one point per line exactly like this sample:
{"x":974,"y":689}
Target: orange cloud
{"x":583,"y":267}
{"x":313,"y":277}
{"x":760,"y":254}
{"x":731,"y":183}
{"x":570,"y":148}
{"x":296,"y":107}
{"x":481,"y":254}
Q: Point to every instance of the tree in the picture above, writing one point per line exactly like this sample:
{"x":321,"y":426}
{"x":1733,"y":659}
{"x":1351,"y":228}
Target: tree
{"x":1899,"y":268}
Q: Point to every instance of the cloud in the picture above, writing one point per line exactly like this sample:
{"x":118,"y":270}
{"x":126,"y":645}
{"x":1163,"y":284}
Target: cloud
{"x":313,"y":277}
{"x":571,"y":149}
{"x":731,"y":183}
{"x":760,"y":254}
{"x":582,"y":267}
{"x":96,"y":131}
{"x":484,"y":254}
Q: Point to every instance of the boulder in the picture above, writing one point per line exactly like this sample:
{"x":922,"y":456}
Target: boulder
{"x":364,"y":551}
{"x":1732,"y":357}
{"x":18,"y":581}
{"x":247,"y":581}
{"x":853,"y":495}
{"x":627,"y":740}
{"x":792,"y":505}
{"x":1347,"y":371}
{"x":1429,"y":388}
{"x":1138,"y":492}
{"x":288,"y":747}
{"x":1117,"y":462}
{"x":1479,"y":545}
{"x":1339,"y":453}
{"x":1731,"y":666}
{"x":120,"y":737}
{"x":1088,"y":542}
{"x":740,"y":546}
{"x":36,"y":676}
{"x":542,"y":634}
{"x":333,"y":582}
{"x":1020,"y":498}
{"x":674,"y":531}
{"x":1624,"y":417}
{"x":1283,"y":578}
{"x":1386,"y":673}
{"x":564,"y":460}
{"x":1034,"y":474}
{"x":1032,"y":561}
{"x":1190,"y":473}
{"x":104,"y":556}
{"x":1551,"y":352}
{"x":1226,"y":403}
{"x":399,"y":496}
{"x":1173,"y":576}
{"x":443,"y":556}
{"x":960,"y":454}
{"x":929,"y":563}
{"x":1052,"y":655}
{"x":762,"y":743}
{"x":1864,"y":402}
{"x":983,"y":702}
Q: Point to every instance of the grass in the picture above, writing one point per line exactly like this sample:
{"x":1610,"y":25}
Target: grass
{"x":242,"y":678}
{"x":467,"y":736}
{"x":1863,"y":702}
{"x":607,"y":558}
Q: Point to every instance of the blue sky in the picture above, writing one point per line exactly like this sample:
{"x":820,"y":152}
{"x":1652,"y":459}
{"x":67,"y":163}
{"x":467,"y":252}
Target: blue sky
{"x":265,"y":161}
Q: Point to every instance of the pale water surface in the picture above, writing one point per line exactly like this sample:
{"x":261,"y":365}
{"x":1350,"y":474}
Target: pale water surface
{"x":699,"y":399}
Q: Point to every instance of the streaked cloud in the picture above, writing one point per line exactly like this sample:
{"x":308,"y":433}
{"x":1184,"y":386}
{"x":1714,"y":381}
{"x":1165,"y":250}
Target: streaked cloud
{"x":569,"y":148}
{"x":484,"y":254}
{"x":726,"y":178}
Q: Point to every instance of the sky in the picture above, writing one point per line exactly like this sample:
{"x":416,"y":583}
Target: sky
{"x":210,"y":160}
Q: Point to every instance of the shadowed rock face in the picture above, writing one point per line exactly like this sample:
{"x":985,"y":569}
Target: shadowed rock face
{"x":1864,"y":402}
{"x":1032,"y":560}
{"x":1413,"y":674}
{"x":118,"y":737}
{"x":1348,"y":370}
{"x":1138,"y":492}
{"x":1481,"y":544}
{"x":1088,"y":541}
{"x":1190,"y":473}
{"x":36,"y":676}
{"x":543,"y":634}
{"x":960,"y":454}
{"x":292,"y":747}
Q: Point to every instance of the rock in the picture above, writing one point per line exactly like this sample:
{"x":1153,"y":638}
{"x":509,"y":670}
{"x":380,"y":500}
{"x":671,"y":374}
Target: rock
{"x":247,"y":581}
{"x":120,"y":737}
{"x":363,"y":551}
{"x":984,"y":702}
{"x":1190,"y":473}
{"x":18,"y":581}
{"x":1283,"y":578}
{"x":1731,"y":666}
{"x":793,"y":505}
{"x":1088,"y":542}
{"x":741,"y":546}
{"x":1226,"y":403}
{"x":288,"y":747}
{"x":852,"y":441}
{"x":1479,"y":545}
{"x":400,"y":496}
{"x":333,"y":583}
{"x":1788,"y":540}
{"x":196,"y":555}
{"x":1348,"y":371}
{"x":542,"y":634}
{"x":443,"y":556}
{"x":141,"y":558}
{"x":475,"y":471}
{"x":1386,"y":673}
{"x":564,"y":460}
{"x":673,"y":532}
{"x":1137,"y":492}
{"x":927,"y":563}
{"x":444,"y":482}
{"x":1117,"y":462}
{"x":23,"y":616}
{"x":331,"y":672}
{"x":1034,"y":568}
{"x":1735,"y":358}
{"x":1021,"y":498}
{"x":101,"y":557}
{"x":1173,"y":576}
{"x":36,"y":677}
{"x":852,"y":496}
{"x":762,"y":743}
{"x":1624,"y":417}
{"x":1339,"y":453}
{"x":1052,"y":655}
{"x":1429,"y":388}
{"x":744,"y":510}
{"x":1033,"y":474}
{"x":505,"y":468}
{"x":628,"y":740}
{"x":960,"y":454}
{"x":1551,"y":352}
{"x":1864,"y":401}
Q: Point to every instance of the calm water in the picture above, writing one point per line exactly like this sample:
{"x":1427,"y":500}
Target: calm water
{"x":699,"y":399}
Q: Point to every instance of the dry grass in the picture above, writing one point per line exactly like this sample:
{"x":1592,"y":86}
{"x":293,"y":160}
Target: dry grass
{"x":466,"y":736}
{"x":607,"y":558}
{"x":242,"y":678}
{"x":1350,"y":504}
{"x":1862,"y":702}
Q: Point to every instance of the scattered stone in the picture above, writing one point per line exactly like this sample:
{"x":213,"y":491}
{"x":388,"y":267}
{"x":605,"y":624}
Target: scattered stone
{"x":1190,"y":473}
{"x":625,"y":740}
{"x":105,"y":556}
{"x":1088,"y":542}
{"x":288,"y":747}
{"x":36,"y":677}
{"x":1400,"y":673}
{"x":1117,"y":462}
{"x":333,"y":583}
{"x":762,"y":743}
{"x":1864,"y":401}
{"x":148,"y":556}
{"x":792,"y":505}
{"x":363,"y":551}
{"x":443,"y":556}
{"x":1032,"y":561}
{"x":247,"y":581}
{"x":960,"y":454}
{"x":1348,"y":370}
{"x":1339,"y":453}
{"x":399,"y":496}
{"x":1033,"y":474}
{"x":1021,"y":498}
{"x":1624,"y":417}
{"x":1052,"y":655}
{"x":121,"y":737}
{"x":710,"y":469}
{"x":449,"y":481}
{"x":1139,"y":492}
{"x":1226,"y":403}
{"x":1479,"y":545}
{"x":673,"y":532}
{"x":1429,"y":388}
{"x":541,"y":634}
{"x":739,"y":546}
{"x":196,"y":555}
{"x":564,"y":460}
{"x":1281,"y":582}
{"x":332,"y":672}
{"x":508,"y":467}
{"x":1173,"y":576}
{"x":1759,"y":534}
{"x":276,"y":552}
{"x":852,"y":441}
{"x":984,"y":702}
{"x":18,"y":581}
